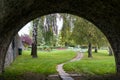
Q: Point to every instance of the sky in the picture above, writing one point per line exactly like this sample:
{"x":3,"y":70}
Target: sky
{"x":26,"y":28}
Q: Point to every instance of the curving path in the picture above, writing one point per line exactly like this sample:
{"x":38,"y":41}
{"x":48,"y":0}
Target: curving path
{"x":63,"y":75}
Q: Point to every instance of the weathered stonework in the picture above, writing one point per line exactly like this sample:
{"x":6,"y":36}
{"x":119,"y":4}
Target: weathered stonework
{"x":105,"y":14}
{"x":12,"y":52}
{"x":9,"y":56}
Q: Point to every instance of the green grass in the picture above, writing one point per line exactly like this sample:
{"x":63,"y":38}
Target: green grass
{"x":45,"y":63}
{"x":100,"y":64}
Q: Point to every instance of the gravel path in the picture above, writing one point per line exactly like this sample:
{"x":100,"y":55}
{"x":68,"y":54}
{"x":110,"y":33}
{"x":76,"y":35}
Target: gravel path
{"x":63,"y":75}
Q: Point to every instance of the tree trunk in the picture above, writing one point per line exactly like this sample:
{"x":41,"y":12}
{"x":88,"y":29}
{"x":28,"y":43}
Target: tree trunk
{"x":110,"y":51}
{"x":96,"y":49}
{"x":34,"y":37}
{"x":89,"y":50}
{"x":34,"y":50}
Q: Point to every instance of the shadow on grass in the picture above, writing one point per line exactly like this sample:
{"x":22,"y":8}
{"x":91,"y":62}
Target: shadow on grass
{"x":29,"y":76}
{"x":98,"y":77}
{"x":25,"y":76}
{"x":36,"y":76}
{"x":2,"y":77}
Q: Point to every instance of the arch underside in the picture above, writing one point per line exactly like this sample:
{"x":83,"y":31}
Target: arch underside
{"x":104,"y":14}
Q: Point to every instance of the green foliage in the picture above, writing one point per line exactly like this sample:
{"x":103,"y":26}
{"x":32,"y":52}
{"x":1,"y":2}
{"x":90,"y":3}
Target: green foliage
{"x":45,"y":64}
{"x":47,"y":30}
{"x":66,"y":30}
{"x":77,"y":30}
{"x":85,"y":32}
{"x":40,"y":36}
{"x":100,"y":64}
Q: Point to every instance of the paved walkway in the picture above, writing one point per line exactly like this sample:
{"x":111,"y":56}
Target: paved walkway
{"x":63,"y":75}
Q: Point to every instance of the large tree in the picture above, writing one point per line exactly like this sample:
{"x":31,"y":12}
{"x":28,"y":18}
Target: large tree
{"x":67,"y":29}
{"x":50,"y":29}
{"x":34,"y":38}
{"x":47,"y":30}
{"x":85,"y":33}
{"x":40,"y":32}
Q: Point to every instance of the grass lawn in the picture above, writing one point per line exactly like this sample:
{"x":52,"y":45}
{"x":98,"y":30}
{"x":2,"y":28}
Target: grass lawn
{"x":100,"y":64}
{"x":45,"y":64}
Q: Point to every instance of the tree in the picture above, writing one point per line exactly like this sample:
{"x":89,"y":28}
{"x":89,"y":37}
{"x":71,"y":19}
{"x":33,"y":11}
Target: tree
{"x":50,"y":29}
{"x":27,"y":41}
{"x":85,"y":32}
{"x":40,"y":32}
{"x":66,"y":29}
{"x":34,"y":38}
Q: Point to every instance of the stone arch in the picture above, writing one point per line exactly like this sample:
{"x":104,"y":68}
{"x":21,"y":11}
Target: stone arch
{"x":104,"y":14}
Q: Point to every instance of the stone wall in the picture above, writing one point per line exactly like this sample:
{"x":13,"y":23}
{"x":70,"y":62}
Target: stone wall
{"x":105,"y":14}
{"x":12,"y":52}
{"x":9,"y":56}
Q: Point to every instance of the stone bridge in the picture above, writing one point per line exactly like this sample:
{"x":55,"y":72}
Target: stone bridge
{"x":105,"y":14}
